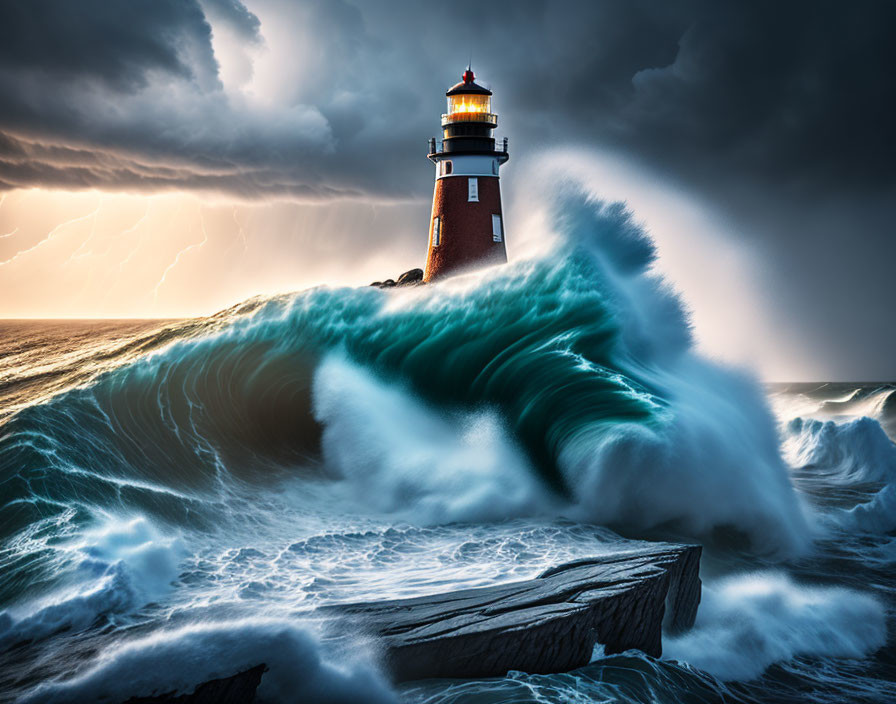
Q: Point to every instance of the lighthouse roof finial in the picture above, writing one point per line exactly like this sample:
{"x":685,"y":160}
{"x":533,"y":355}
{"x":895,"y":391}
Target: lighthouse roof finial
{"x":468,"y":84}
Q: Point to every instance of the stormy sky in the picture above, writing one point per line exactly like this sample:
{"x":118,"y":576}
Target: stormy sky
{"x":168,"y":157}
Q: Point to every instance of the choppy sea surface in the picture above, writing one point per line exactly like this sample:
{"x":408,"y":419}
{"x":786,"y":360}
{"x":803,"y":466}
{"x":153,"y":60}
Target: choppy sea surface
{"x":180,"y":497}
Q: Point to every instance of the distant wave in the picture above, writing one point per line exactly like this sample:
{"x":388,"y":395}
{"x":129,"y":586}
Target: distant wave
{"x":856,"y":450}
{"x":855,"y":455}
{"x":838,"y":402}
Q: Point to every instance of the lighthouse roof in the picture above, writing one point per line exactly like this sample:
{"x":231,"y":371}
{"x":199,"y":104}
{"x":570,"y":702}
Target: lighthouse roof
{"x":468,"y":85}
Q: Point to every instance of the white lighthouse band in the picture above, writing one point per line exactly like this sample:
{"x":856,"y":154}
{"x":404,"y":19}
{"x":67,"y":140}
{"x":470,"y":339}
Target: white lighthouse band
{"x":467,"y":165}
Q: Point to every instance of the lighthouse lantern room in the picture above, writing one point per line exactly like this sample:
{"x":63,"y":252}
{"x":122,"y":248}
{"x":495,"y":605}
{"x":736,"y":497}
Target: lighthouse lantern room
{"x":466,"y":229}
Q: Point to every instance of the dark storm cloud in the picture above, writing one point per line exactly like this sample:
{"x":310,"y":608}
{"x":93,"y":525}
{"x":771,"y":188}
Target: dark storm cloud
{"x":62,"y":167}
{"x":116,"y":43}
{"x":159,"y":101}
{"x":800,"y":94}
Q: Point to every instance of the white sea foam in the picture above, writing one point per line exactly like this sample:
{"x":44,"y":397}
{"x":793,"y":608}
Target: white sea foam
{"x":401,"y":456}
{"x":119,"y":566}
{"x":713,"y":463}
{"x":712,"y":460}
{"x":179,"y":660}
{"x":748,"y":622}
{"x":876,"y":516}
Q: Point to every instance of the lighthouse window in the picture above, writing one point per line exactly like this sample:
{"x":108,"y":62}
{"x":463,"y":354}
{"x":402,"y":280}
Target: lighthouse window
{"x":436,"y":232}
{"x":473,"y":189}
{"x":497,"y":232}
{"x":447,"y":168}
{"x":494,"y":167}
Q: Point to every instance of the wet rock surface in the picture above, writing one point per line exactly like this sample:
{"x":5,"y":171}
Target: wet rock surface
{"x":543,"y":625}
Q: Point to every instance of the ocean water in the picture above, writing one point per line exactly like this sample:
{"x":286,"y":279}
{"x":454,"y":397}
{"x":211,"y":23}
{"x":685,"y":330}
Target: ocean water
{"x":179,"y":498}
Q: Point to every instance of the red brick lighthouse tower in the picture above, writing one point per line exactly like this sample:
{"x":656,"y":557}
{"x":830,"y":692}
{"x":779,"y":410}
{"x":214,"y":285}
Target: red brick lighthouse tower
{"x":466,"y":229}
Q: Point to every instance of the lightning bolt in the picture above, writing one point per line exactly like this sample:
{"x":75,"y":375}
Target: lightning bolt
{"x":75,"y":255}
{"x":133,"y":228}
{"x":50,"y":235}
{"x":90,"y":274}
{"x":196,"y":245}
{"x":242,"y":233}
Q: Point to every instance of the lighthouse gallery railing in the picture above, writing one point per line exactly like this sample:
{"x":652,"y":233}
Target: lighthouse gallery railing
{"x":452,"y":117}
{"x":500,"y":147}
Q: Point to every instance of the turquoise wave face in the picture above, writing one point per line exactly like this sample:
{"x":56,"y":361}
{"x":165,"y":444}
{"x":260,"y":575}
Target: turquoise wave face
{"x":536,"y":343}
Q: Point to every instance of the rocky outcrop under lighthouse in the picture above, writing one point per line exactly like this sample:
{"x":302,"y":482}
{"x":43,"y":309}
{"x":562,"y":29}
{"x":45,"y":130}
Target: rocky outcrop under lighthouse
{"x":414,"y":277}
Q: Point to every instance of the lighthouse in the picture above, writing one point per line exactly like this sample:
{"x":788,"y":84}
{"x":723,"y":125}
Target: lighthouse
{"x":466,"y":228}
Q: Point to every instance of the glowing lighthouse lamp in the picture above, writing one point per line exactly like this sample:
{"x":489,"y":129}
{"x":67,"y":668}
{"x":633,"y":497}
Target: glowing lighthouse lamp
{"x":466,"y":229}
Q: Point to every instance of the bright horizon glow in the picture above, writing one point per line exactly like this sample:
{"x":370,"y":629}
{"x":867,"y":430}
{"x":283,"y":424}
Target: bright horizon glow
{"x":165,"y":256}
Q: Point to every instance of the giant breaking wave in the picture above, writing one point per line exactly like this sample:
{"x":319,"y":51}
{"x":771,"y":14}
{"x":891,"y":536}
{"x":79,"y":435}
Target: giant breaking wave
{"x":567,"y":383}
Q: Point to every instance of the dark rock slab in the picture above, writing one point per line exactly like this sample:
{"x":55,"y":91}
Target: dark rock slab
{"x":543,"y":625}
{"x":237,"y":689}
